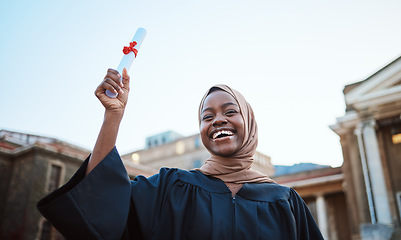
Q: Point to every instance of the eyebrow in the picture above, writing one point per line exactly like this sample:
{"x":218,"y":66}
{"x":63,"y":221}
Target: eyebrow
{"x":223,"y":106}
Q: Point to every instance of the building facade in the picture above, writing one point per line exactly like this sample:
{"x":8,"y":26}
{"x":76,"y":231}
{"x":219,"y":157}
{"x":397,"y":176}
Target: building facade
{"x":370,"y":136}
{"x":31,"y":167}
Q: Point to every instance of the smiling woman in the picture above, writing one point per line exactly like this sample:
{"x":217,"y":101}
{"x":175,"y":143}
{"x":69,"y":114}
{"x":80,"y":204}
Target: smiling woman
{"x":224,"y":199}
{"x":221,"y":124}
{"x":229,"y":131}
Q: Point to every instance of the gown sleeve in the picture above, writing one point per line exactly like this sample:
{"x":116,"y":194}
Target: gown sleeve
{"x":95,"y":206}
{"x":305,"y":224}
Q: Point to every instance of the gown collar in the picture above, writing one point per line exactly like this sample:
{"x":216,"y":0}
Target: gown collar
{"x":265,"y":192}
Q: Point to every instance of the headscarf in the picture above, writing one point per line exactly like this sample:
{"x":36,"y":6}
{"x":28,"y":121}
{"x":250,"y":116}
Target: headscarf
{"x":236,"y":170}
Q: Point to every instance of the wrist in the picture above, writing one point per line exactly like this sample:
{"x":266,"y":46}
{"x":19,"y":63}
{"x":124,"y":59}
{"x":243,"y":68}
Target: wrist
{"x":113,"y":116}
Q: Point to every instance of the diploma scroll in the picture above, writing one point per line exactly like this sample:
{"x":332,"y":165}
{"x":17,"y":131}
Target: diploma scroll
{"x":129,"y":55}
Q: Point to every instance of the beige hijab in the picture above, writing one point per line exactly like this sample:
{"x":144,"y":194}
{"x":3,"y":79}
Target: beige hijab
{"x":236,"y":170}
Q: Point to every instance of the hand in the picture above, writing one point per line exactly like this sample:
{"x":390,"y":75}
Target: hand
{"x":112,"y":83}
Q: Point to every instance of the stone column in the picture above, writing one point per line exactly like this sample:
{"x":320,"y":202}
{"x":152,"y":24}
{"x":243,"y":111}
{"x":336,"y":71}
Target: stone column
{"x":378,"y":184}
{"x":322,"y":215}
{"x":358,"y":133}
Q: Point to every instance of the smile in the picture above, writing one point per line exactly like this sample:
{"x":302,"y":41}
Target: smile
{"x":222,"y":134}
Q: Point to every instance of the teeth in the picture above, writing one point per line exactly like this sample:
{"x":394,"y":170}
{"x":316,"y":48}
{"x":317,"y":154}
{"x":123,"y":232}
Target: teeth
{"x":216,"y":134}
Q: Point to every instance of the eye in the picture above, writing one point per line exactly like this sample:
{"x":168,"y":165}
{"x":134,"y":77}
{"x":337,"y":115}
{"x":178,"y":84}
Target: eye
{"x":231,"y":112}
{"x":207,"y":117}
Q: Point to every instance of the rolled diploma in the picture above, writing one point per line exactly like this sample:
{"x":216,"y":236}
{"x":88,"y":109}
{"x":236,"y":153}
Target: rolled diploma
{"x":127,"y":59}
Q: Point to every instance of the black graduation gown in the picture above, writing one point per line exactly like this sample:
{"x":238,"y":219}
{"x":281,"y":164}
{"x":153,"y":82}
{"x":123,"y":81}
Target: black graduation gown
{"x":173,"y":204}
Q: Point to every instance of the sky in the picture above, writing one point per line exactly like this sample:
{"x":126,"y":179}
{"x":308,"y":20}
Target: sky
{"x":290,"y":59}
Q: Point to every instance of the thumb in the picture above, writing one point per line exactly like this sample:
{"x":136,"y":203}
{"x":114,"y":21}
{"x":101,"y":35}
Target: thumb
{"x":126,"y":78}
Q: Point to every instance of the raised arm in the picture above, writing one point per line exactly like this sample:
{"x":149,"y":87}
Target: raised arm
{"x":114,"y":111}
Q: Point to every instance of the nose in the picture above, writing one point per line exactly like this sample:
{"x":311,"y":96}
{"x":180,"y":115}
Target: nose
{"x":218,"y":120}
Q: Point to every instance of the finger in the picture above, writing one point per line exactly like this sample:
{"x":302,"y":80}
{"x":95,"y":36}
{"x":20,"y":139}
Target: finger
{"x":114,"y":75}
{"x":113,"y":84}
{"x":113,"y":71}
{"x":126,"y":78}
{"x":101,"y":89}
{"x":114,"y":78}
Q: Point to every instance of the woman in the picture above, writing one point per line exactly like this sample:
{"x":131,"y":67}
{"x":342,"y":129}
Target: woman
{"x":224,"y":199}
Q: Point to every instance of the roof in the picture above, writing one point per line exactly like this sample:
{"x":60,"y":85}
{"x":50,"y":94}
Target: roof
{"x":14,"y":142}
{"x":320,"y":174}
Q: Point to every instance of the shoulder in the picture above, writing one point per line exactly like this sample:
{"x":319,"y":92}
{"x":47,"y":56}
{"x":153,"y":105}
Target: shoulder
{"x":170,"y":177}
{"x":165,"y":174}
{"x":265,"y":192}
{"x":173,"y":176}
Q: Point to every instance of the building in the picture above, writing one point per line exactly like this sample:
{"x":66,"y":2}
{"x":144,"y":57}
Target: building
{"x":322,"y":190}
{"x":32,"y":166}
{"x":184,"y":153}
{"x":370,"y":136}
{"x":162,"y":138}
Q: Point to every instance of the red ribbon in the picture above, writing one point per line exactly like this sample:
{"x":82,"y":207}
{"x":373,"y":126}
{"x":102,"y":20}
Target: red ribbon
{"x":131,"y":48}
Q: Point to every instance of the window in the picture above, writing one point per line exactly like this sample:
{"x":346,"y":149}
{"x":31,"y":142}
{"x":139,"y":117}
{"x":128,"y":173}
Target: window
{"x":135,"y":158}
{"x":396,"y":134}
{"x":55,"y":175}
{"x":180,"y":147}
{"x":396,"y":138}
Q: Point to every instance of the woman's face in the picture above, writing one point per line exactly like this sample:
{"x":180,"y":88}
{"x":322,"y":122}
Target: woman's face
{"x":222,"y":127}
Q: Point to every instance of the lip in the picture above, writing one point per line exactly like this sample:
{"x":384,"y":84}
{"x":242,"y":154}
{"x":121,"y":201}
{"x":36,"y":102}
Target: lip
{"x":223,"y":139}
{"x":221,"y":129}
